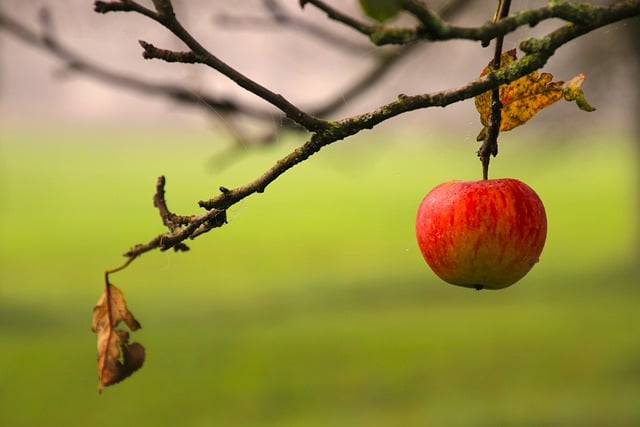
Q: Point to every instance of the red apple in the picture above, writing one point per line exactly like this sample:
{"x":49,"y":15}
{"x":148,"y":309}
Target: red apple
{"x":481,"y":234}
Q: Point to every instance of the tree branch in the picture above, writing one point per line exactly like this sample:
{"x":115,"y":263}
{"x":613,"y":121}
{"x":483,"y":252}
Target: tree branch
{"x":490,"y":144}
{"x":338,"y":16}
{"x":180,"y":227}
{"x":434,"y":28}
{"x":583,"y":17}
{"x":277,"y":15}
{"x":538,"y":52}
{"x":366,"y":82}
{"x":384,"y":64}
{"x":75,"y":62}
{"x":164,"y":15}
{"x":123,"y":6}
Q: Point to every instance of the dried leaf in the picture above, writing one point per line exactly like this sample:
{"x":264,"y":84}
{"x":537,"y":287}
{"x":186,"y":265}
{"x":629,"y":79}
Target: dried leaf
{"x":117,"y":358}
{"x":525,"y":97}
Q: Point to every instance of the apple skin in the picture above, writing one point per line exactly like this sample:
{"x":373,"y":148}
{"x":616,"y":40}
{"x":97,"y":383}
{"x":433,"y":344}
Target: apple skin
{"x":483,"y":234}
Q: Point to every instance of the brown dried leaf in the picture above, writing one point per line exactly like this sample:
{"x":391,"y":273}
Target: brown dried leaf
{"x":525,"y":97}
{"x":117,"y":358}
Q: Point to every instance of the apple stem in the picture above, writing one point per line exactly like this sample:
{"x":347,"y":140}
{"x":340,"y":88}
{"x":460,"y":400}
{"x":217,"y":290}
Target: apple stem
{"x":485,"y":166}
{"x":490,"y":144}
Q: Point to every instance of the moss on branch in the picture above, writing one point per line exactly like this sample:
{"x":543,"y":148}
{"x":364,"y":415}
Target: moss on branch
{"x":432,"y":28}
{"x":582,"y":18}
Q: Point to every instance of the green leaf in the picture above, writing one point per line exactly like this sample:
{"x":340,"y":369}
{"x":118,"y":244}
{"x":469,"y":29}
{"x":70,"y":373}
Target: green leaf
{"x":381,"y":10}
{"x":572,"y":91}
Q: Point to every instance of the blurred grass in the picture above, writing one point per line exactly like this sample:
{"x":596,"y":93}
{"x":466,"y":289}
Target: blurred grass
{"x":313,"y":306}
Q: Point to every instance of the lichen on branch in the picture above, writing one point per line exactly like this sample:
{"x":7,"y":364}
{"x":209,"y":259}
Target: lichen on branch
{"x":433,"y":28}
{"x":324,"y":132}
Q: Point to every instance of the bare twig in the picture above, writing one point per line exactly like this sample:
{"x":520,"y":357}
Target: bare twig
{"x":385,"y":63}
{"x":277,"y":15}
{"x":367,"y":81}
{"x":169,"y":219}
{"x":343,"y":18}
{"x":75,"y":62}
{"x":180,"y":227}
{"x":165,"y":16}
{"x":123,"y":6}
{"x":490,"y":145}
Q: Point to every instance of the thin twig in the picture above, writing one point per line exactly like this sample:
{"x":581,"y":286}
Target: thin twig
{"x":115,"y":270}
{"x":77,"y":63}
{"x":384,"y":64}
{"x":164,"y":15}
{"x":278,"y":16}
{"x":169,"y":219}
{"x":343,"y":18}
{"x":434,"y":28}
{"x":490,"y":145}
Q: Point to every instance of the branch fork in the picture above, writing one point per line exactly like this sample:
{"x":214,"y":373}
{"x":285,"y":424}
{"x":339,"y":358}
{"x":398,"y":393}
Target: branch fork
{"x":430,"y":26}
{"x":324,"y":132}
{"x":180,"y":227}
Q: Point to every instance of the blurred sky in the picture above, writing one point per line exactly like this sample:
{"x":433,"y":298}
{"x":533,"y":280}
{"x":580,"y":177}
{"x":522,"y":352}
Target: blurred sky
{"x":36,"y":90}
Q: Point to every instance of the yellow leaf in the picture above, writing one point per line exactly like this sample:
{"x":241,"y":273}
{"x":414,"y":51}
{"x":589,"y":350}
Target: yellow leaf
{"x":525,"y":97}
{"x":117,"y":358}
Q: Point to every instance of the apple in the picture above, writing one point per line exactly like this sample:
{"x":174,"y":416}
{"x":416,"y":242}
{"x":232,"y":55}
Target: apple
{"x":483,"y":234}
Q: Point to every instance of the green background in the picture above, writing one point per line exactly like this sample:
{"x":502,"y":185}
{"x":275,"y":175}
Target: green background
{"x":313,"y":306}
